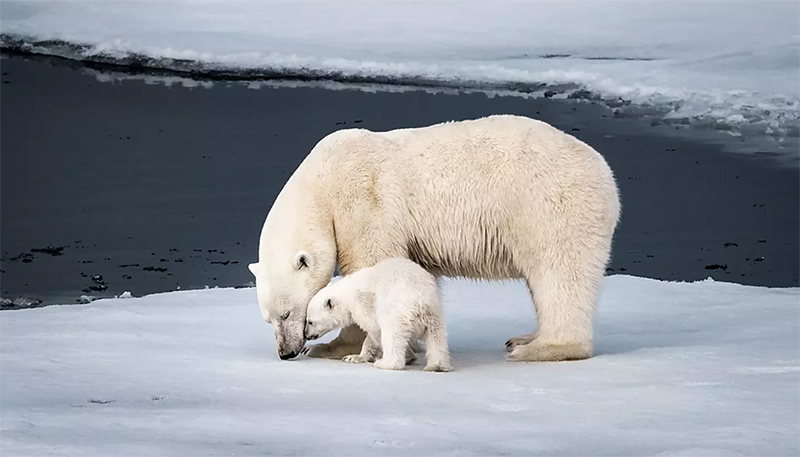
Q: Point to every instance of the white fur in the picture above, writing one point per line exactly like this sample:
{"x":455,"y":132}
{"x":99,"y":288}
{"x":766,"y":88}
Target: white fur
{"x":395,"y":302}
{"x":501,"y":197}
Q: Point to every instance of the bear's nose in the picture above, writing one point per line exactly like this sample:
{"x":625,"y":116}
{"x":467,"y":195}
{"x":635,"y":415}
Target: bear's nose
{"x":288,"y":355}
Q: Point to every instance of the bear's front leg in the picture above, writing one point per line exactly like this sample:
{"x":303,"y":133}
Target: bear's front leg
{"x":349,"y":342}
{"x":369,"y":351}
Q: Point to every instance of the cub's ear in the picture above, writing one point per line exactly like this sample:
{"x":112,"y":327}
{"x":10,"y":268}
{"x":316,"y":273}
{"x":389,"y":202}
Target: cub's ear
{"x":303,"y":260}
{"x":329,"y":304}
{"x":253,"y":267}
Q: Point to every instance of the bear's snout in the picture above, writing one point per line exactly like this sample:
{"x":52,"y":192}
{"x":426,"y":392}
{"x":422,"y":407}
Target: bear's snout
{"x":288,"y":355}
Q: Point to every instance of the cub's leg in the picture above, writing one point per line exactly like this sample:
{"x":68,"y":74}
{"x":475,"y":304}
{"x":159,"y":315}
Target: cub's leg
{"x":394,"y":344}
{"x":437,"y":355}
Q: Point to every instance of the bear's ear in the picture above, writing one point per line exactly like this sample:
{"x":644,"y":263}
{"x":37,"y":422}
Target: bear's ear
{"x":329,"y":304}
{"x":253,"y":267}
{"x":302,"y":260}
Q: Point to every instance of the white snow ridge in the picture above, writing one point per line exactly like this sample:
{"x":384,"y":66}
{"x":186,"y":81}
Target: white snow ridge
{"x":681,"y":369}
{"x":706,"y":63}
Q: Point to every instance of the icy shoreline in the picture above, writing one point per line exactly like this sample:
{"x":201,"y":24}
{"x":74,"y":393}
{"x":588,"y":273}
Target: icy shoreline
{"x":703,"y":368}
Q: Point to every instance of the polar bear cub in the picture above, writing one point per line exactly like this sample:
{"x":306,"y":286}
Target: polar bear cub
{"x":396,"y":302}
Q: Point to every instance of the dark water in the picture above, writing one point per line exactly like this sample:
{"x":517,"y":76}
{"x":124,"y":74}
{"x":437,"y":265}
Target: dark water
{"x":775,"y":126}
{"x":154,"y":188}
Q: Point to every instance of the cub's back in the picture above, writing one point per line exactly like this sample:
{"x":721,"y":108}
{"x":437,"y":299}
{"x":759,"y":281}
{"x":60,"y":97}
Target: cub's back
{"x":399,"y":279}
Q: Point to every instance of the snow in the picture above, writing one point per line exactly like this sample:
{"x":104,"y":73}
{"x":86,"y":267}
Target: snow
{"x":725,"y":64}
{"x":700,"y":369}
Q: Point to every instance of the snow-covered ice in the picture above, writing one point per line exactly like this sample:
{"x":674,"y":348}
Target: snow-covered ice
{"x":700,"y":369}
{"x":725,"y":64}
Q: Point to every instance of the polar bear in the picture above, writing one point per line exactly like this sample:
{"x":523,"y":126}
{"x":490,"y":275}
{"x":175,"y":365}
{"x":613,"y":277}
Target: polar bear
{"x":395,"y":302}
{"x":500,"y":197}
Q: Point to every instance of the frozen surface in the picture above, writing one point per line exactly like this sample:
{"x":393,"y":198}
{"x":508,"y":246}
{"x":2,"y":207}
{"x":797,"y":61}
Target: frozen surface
{"x":730,"y":65}
{"x":700,"y":369}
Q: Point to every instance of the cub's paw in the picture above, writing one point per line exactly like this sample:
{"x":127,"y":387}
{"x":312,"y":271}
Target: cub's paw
{"x":353,"y":359}
{"x":384,"y":364}
{"x":438,"y":367}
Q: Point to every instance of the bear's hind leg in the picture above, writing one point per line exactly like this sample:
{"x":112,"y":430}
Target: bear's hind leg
{"x":519,"y":341}
{"x":349,"y":342}
{"x":565,"y":298}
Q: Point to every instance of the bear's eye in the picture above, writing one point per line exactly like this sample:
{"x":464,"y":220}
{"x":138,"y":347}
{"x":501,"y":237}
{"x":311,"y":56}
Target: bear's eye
{"x":310,"y":324}
{"x":329,"y":304}
{"x":285,"y":315}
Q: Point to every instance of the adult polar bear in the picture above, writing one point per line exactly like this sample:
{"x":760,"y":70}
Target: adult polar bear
{"x":501,"y":197}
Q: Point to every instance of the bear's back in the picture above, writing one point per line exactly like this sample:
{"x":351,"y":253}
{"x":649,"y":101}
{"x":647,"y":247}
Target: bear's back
{"x":460,"y":198}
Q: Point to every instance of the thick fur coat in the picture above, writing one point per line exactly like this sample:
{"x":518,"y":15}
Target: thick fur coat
{"x":501,"y":197}
{"x":395,"y":302}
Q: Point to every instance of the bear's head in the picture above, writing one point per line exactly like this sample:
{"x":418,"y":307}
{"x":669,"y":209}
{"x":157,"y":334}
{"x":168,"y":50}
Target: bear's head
{"x":284,"y":285}
{"x":325,"y":313}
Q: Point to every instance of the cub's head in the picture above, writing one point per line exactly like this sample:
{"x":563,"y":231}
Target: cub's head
{"x":284,"y":285}
{"x":325,"y":313}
